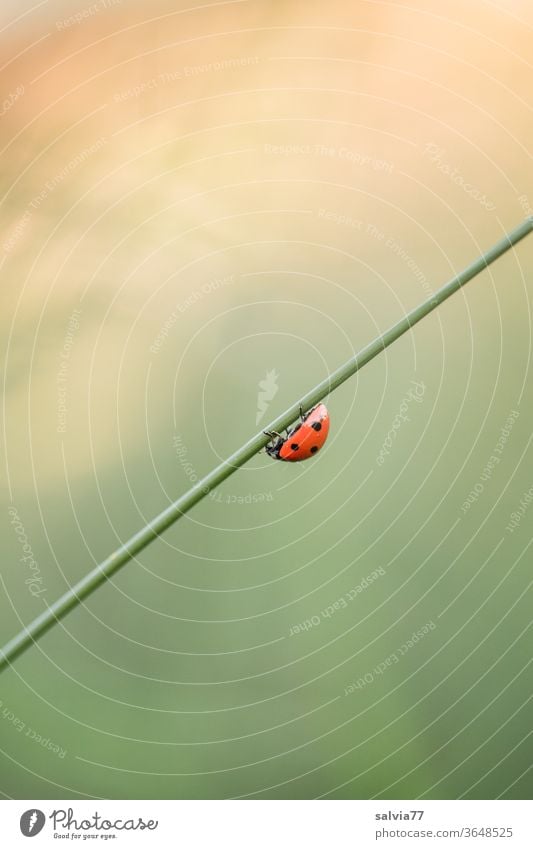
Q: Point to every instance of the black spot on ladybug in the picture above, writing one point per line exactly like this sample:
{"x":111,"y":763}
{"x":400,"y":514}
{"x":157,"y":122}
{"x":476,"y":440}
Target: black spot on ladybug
{"x":314,"y":449}
{"x":294,"y":446}
{"x":317,"y":425}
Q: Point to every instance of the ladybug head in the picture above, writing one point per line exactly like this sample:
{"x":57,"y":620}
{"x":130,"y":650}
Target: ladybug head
{"x":274,"y":447}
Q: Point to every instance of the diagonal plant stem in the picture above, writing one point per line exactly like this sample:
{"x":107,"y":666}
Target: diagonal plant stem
{"x":127,"y":551}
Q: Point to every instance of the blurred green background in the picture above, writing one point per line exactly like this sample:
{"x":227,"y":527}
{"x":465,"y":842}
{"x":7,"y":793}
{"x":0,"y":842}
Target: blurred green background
{"x":195,"y":202}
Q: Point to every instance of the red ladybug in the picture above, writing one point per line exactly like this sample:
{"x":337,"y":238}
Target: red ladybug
{"x":304,"y":440}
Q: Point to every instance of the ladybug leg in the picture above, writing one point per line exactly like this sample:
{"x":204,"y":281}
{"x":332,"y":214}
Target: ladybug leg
{"x":302,"y":413}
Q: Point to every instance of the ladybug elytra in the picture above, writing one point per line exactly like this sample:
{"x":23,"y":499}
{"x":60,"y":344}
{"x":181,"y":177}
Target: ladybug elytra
{"x":302,"y":441}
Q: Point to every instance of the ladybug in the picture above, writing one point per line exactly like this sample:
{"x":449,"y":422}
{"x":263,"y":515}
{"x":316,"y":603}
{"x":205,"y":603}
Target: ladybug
{"x":302,"y":441}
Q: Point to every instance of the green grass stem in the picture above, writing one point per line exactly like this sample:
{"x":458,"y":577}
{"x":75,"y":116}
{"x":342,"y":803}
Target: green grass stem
{"x":128,"y":550}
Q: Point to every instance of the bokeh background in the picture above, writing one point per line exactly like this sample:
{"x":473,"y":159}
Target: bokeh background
{"x":205,"y":210}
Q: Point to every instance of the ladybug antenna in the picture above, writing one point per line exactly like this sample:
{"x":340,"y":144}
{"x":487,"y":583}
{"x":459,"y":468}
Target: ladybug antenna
{"x":272,"y":434}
